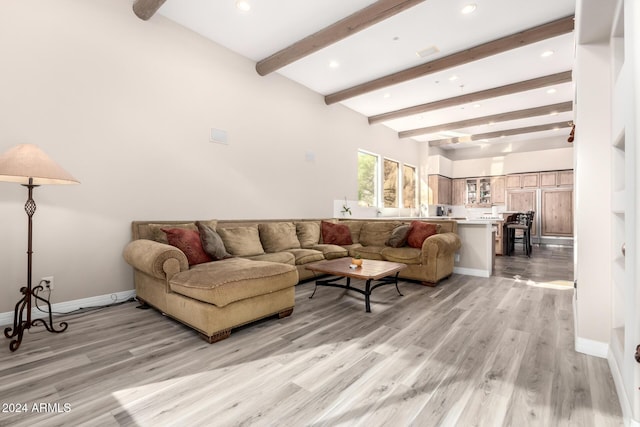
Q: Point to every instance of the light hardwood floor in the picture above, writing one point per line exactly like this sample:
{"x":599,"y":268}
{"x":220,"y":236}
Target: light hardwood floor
{"x":470,"y":352}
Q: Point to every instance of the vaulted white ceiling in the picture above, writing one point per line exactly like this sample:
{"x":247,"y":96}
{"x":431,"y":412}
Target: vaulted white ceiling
{"x":392,"y":45}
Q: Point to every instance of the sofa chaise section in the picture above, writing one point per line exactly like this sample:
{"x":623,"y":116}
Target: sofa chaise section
{"x":212,"y":297}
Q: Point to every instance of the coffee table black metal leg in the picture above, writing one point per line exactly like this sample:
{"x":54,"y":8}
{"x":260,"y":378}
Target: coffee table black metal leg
{"x":367,"y":294}
{"x":397,"y":289}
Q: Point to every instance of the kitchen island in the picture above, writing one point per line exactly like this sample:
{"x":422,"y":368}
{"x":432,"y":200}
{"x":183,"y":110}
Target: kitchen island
{"x":477,"y":254}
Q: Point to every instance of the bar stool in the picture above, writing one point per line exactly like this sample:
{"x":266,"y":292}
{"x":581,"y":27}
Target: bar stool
{"x":522,"y":224}
{"x":507,"y":244}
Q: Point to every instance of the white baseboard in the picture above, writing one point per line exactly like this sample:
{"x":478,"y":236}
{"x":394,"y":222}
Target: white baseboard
{"x":627,"y":415}
{"x":68,"y":306}
{"x":472,"y":272}
{"x":592,"y":348}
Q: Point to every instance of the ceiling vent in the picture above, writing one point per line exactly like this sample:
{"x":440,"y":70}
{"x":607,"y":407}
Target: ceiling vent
{"x":431,"y":50}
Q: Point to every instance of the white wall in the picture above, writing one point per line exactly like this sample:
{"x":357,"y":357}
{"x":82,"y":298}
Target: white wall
{"x":532,"y":161}
{"x":593,"y":193}
{"x":126,"y":106}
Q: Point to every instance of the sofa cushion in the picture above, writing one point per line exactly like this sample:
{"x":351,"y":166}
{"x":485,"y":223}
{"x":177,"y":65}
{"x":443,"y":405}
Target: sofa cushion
{"x":405,"y":255}
{"x":282,"y":257}
{"x":335,"y":234}
{"x":367,"y":252}
{"x":241,"y":241}
{"x":376,"y":233}
{"x":233,"y":279}
{"x":278,"y":236}
{"x":305,"y":256}
{"x":398,"y":237}
{"x":419,"y":232}
{"x":331,"y":251}
{"x":188,"y":241}
{"x":212,"y":242}
{"x":308,"y":233}
{"x":354,"y":227}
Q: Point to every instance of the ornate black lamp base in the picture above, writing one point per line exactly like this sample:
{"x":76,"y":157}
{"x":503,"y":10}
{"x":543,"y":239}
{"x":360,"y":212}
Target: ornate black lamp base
{"x":20,"y":324}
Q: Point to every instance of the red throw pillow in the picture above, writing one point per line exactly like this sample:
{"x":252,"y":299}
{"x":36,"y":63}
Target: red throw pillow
{"x":188,"y":241}
{"x":419,"y":232}
{"x":336,"y":234}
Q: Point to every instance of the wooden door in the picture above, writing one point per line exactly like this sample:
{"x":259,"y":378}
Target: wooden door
{"x":458,"y":192}
{"x":565,"y":178}
{"x":433,"y":189}
{"x":444,"y":190}
{"x":557,"y":212}
{"x":513,"y":181}
{"x":548,"y":179}
{"x":523,"y":201}
{"x":530,"y":180}
{"x":497,"y":190}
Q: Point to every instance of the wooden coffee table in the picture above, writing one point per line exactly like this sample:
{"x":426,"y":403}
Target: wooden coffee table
{"x":383,"y":272}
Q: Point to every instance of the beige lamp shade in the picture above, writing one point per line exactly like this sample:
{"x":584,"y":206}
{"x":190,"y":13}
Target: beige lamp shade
{"x":28,"y":161}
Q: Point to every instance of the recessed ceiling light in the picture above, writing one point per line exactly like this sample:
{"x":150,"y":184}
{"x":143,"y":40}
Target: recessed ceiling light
{"x":547,"y":53}
{"x":468,"y":8}
{"x":476,"y":105}
{"x":386,"y":95}
{"x":550,"y":91}
{"x":334,"y":64}
{"x":243,"y":5}
{"x":453,"y":78}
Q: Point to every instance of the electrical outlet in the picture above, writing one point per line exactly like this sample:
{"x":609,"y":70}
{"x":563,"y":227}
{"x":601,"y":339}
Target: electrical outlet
{"x":49,"y":285}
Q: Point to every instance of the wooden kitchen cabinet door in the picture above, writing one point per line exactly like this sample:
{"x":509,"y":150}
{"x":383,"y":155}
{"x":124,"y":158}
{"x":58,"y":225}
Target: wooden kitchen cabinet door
{"x":444,"y":190}
{"x":498,"y":190}
{"x":458,"y":192}
{"x":557,"y":212}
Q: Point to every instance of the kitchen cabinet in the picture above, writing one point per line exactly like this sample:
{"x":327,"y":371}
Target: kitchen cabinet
{"x":439,"y":190}
{"x":478,"y":192}
{"x":498,"y":190}
{"x":523,"y":180}
{"x":458,"y":192}
{"x":556,"y":178}
{"x":557,"y":212}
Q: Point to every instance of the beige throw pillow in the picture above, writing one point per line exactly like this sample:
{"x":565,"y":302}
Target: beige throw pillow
{"x":241,"y":241}
{"x":308,"y":233}
{"x":278,"y":236}
{"x":375,"y":233}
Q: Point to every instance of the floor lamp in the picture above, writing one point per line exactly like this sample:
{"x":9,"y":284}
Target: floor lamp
{"x":26,"y":164}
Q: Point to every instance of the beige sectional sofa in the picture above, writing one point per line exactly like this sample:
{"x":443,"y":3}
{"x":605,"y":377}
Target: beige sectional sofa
{"x":267,"y":259}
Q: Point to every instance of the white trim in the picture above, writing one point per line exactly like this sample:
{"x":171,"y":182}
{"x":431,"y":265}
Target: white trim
{"x":68,"y":306}
{"x":592,"y":348}
{"x":472,"y":272}
{"x":622,"y":395}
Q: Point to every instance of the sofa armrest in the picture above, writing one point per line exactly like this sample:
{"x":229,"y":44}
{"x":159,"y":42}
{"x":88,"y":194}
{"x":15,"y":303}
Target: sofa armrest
{"x":438,"y":245}
{"x":154,"y":258}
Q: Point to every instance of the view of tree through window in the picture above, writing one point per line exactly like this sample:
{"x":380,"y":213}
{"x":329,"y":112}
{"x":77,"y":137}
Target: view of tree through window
{"x":390,"y":187}
{"x":367,"y":179}
{"x":408,"y":186}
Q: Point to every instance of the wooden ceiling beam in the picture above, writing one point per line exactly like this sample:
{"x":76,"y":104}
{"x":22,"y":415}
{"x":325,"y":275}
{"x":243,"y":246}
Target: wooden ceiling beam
{"x":145,"y":9}
{"x":537,"y":83}
{"x":532,"y":35}
{"x":498,"y":134}
{"x":500,"y":117}
{"x":342,"y":29}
